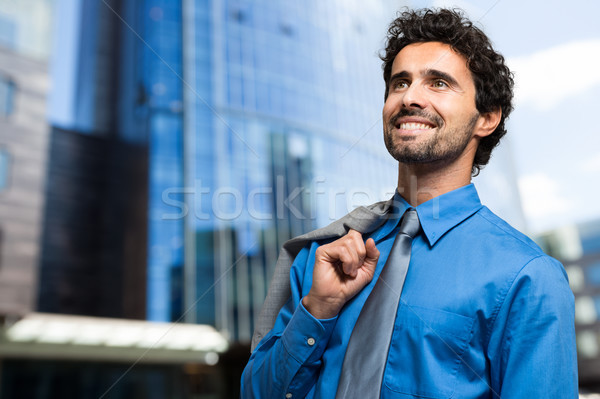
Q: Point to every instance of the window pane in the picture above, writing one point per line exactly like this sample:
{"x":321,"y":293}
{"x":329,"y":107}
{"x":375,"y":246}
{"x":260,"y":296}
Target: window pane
{"x":6,"y":96}
{"x":4,"y":159}
{"x":593,"y":274}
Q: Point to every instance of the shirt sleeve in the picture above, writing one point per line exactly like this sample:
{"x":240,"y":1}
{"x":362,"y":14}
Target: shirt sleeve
{"x":532,"y":347}
{"x":287,"y":360}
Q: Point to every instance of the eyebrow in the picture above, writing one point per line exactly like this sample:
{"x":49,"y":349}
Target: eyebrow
{"x":428,"y":72}
{"x":399,"y":75}
{"x":442,"y":75}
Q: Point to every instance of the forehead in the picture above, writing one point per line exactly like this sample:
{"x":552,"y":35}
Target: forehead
{"x":417,"y":58}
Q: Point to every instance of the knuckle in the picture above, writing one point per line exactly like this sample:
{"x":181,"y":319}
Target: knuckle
{"x":362,"y":254}
{"x":345,"y":253}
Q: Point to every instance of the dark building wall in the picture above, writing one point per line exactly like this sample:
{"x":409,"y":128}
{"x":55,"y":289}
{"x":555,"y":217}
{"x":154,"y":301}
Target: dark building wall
{"x":94,"y":245}
{"x":43,"y":379}
{"x":93,"y":253}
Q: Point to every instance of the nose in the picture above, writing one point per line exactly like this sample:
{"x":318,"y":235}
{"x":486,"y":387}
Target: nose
{"x":414,"y":97}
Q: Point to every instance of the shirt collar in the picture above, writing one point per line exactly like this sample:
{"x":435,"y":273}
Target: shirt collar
{"x":438,"y":215}
{"x":398,"y":206}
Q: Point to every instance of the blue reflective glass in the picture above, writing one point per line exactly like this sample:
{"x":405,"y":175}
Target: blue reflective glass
{"x":592,"y":273}
{"x":597,"y":306}
{"x":4,"y":168}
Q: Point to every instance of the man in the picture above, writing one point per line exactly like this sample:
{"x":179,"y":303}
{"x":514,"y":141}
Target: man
{"x":483,"y":312}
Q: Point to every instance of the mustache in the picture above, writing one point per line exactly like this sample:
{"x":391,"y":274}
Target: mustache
{"x":435,"y":119}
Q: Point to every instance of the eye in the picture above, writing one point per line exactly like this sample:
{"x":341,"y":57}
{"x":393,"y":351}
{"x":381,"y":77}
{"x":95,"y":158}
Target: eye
{"x":440,"y":84}
{"x":400,"y":84}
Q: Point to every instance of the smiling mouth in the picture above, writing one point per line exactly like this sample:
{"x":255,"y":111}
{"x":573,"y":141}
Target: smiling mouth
{"x":413,"y":126}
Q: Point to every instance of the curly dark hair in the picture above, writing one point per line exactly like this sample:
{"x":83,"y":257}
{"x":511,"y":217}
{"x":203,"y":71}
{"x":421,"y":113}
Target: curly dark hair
{"x":493,"y":80}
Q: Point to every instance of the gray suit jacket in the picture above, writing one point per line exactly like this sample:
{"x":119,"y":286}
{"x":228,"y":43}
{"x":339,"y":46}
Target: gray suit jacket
{"x":362,"y":219}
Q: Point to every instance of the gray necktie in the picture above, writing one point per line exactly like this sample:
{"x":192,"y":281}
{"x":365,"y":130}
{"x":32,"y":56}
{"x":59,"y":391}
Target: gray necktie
{"x":366,"y":355}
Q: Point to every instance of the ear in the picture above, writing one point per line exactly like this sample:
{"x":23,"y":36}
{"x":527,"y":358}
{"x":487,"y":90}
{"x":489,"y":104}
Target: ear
{"x":487,"y":123}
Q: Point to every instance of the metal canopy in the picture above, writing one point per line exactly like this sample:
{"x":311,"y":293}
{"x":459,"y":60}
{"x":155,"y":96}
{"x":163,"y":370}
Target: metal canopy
{"x":66,"y":337}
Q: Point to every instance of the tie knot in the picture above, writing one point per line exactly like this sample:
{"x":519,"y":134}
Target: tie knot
{"x":410,"y":223}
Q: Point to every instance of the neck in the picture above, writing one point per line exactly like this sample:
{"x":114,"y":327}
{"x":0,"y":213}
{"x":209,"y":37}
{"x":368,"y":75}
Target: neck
{"x":418,"y":183}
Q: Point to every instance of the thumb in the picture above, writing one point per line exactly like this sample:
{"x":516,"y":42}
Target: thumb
{"x":372,"y":255}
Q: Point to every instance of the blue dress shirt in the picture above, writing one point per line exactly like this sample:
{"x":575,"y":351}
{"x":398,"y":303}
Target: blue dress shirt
{"x":484,"y":313}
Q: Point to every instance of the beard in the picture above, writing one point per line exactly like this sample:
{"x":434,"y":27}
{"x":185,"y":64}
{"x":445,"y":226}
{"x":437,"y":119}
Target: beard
{"x":443,"y":145}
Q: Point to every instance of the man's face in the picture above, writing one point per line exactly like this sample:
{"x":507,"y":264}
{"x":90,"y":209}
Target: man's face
{"x":430,"y":114}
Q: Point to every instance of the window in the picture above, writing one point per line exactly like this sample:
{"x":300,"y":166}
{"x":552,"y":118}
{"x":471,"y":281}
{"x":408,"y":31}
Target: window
{"x":7,"y":90}
{"x":4,"y":165}
{"x":8,"y":32}
{"x":593,"y":274}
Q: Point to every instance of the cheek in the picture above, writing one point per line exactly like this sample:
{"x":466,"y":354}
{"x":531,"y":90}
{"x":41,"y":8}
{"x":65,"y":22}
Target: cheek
{"x":389,"y":108}
{"x":385,"y":113}
{"x":450,"y":108}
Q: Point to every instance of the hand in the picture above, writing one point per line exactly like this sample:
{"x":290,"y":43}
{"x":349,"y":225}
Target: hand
{"x":342,"y":269}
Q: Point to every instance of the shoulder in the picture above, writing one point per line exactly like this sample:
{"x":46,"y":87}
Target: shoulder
{"x":509,"y":255}
{"x":496,"y":233}
{"x":531,"y":270}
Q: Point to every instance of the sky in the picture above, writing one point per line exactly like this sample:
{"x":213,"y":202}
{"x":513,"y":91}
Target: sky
{"x":553,"y":47}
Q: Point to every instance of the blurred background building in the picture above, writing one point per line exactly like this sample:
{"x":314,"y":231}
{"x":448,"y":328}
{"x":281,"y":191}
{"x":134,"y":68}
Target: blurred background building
{"x":154,"y":156}
{"x":578,"y":247}
{"x":24,"y":133}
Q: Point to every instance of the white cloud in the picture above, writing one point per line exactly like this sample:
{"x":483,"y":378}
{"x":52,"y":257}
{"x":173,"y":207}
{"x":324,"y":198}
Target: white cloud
{"x":543,"y":202}
{"x":546,"y":78}
{"x":591,"y":165}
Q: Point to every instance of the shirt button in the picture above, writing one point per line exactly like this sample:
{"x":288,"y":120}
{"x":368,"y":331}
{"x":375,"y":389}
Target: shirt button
{"x":288,"y":395}
{"x":311,"y":342}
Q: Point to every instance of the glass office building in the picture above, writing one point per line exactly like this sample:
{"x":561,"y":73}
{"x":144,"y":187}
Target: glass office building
{"x":281,"y":109}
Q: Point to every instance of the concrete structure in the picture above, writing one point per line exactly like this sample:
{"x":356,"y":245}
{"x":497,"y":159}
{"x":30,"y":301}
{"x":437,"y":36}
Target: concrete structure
{"x":23,"y":147}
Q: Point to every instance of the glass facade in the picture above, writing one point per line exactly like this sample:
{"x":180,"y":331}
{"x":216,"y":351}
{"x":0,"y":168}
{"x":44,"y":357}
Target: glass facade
{"x":283,"y":135}
{"x":161,"y":79}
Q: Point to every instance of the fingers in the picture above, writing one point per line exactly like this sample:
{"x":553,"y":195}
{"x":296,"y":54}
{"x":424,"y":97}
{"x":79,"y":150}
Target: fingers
{"x":372,"y":255}
{"x":371,"y":251}
{"x":356,"y":242}
{"x":351,"y":253}
{"x":340,"y":255}
{"x":355,"y":247}
{"x":342,"y":268}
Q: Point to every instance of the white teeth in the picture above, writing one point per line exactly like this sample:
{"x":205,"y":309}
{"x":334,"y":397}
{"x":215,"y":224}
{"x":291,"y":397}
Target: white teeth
{"x":414,"y":126}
